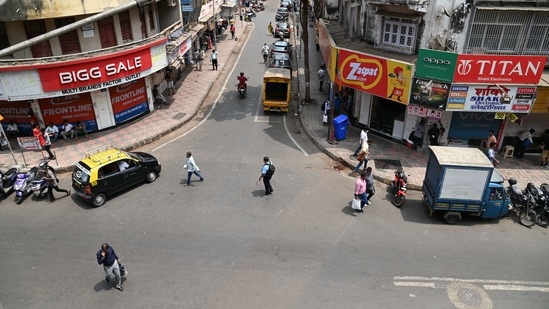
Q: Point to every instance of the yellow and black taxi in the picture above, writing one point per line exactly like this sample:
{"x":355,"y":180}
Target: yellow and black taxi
{"x":108,"y":170}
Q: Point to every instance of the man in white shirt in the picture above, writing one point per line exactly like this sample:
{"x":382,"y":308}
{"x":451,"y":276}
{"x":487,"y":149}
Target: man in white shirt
{"x":363,"y":139}
{"x":52,"y":131}
{"x":67,"y":129}
{"x":12,"y":129}
{"x":320,"y":78}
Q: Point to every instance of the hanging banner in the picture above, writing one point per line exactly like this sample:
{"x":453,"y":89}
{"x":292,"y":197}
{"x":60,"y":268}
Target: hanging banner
{"x":129,"y":100}
{"x":503,"y":69}
{"x":424,"y":112}
{"x":379,"y":76}
{"x":490,"y":98}
{"x":429,"y":93}
{"x":72,"y":108}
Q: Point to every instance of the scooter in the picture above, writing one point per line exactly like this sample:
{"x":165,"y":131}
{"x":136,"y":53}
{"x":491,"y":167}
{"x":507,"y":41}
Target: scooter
{"x":23,"y":184}
{"x":521,"y":203}
{"x":7,"y":180}
{"x":399,"y":188}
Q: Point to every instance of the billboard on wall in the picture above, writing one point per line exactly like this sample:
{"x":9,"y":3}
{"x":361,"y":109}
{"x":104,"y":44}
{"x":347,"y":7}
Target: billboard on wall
{"x":490,"y":98}
{"x":129,"y":100}
{"x":19,"y":112}
{"x":436,"y":65}
{"x":328,"y":49}
{"x":501,"y":69}
{"x":76,"y":107}
{"x":429,"y":93}
{"x":379,"y":76}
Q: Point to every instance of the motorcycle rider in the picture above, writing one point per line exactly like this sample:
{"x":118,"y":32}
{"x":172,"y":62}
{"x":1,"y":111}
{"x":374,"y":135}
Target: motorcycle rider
{"x":242,"y":82}
{"x":265,"y":52}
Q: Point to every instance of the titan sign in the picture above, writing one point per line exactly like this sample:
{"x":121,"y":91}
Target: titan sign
{"x":435,"y":65}
{"x":506,"y":69}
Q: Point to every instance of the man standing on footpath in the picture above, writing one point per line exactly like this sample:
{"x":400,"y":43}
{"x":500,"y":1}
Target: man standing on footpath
{"x":111,"y":262}
{"x":192,"y":168}
{"x":266,"y":175}
{"x":320,"y":78}
{"x":214,"y":60}
{"x":360,"y":191}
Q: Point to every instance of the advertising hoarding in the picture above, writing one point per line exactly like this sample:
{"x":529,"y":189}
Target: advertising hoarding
{"x":436,"y":65}
{"x":429,"y":93}
{"x":490,"y":98}
{"x":129,"y":100}
{"x":76,"y":107}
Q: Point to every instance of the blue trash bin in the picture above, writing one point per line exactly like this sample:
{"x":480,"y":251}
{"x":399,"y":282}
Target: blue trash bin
{"x":341,"y":123}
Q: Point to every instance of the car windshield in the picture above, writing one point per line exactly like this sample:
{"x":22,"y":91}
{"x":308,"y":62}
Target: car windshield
{"x":282,"y":25}
{"x":81,"y":173}
{"x":282,"y":10}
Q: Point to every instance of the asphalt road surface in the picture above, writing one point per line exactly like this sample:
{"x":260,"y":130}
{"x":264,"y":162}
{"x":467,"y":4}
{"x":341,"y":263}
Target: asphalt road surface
{"x":222,"y":244}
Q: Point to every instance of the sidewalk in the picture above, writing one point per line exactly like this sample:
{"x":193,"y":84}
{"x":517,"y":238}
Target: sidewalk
{"x":386,"y":155}
{"x":163,"y":120}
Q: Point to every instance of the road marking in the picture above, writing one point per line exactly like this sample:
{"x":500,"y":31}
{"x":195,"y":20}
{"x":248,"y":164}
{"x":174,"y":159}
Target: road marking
{"x":416,"y":284}
{"x":292,"y":138}
{"x":488,"y":284}
{"x":521,"y":288}
{"x":489,"y":281}
{"x":214,"y":103}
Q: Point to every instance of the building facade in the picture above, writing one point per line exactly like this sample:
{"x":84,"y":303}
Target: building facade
{"x":470,"y":66}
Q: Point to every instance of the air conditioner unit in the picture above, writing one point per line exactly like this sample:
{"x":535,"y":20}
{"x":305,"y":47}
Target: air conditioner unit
{"x":171,"y":2}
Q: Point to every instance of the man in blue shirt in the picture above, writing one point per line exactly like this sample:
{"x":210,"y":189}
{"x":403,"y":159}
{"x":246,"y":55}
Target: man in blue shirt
{"x":266,"y":176}
{"x":110,"y":261}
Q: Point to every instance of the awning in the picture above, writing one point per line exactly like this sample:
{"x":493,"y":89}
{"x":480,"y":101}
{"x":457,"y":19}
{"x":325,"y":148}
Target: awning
{"x":205,"y":18}
{"x":400,"y":15}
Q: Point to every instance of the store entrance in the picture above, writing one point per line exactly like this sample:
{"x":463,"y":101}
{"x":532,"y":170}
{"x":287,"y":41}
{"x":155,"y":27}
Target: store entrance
{"x":387,"y":117}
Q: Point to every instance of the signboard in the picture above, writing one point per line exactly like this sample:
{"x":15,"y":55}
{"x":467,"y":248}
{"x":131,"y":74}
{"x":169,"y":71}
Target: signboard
{"x":472,"y":125}
{"x":424,"y":112}
{"x":436,"y":65}
{"x":490,"y":98}
{"x":28,"y":143}
{"x":382,"y":77}
{"x":501,"y":69}
{"x":328,"y":49}
{"x":429,"y":93}
{"x":542,"y":101}
{"x":76,"y":107}
{"x":129,"y":100}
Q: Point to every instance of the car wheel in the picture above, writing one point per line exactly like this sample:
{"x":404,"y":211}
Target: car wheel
{"x":151,"y":176}
{"x":99,"y":200}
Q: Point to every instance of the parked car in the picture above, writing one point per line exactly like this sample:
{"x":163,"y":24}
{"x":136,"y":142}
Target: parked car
{"x":281,"y":14}
{"x":281,"y":60}
{"x":282,"y":30}
{"x":282,"y":47}
{"x":286,"y":4}
{"x":109,"y":170}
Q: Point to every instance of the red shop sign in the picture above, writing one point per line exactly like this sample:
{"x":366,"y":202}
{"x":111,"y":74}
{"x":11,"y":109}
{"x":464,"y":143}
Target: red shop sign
{"x":506,"y":69}
{"x":73,"y":75}
{"x":71,"y":108}
{"x":362,"y":72}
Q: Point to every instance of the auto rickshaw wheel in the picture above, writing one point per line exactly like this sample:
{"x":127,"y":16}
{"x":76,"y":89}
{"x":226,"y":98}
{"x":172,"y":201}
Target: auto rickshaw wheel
{"x":450,"y":219}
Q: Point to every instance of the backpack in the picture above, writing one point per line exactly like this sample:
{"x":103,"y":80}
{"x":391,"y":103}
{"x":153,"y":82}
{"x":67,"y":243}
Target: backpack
{"x":271,"y":169}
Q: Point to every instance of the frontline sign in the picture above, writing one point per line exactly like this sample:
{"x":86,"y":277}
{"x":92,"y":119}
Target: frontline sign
{"x":499,"y":69}
{"x":82,"y":75}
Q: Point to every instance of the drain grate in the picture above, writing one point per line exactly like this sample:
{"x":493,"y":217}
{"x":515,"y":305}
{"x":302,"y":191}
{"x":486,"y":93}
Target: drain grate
{"x":387,"y":163}
{"x":179,"y":116}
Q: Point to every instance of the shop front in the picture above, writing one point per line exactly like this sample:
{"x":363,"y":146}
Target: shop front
{"x":101,"y":91}
{"x":382,"y":90}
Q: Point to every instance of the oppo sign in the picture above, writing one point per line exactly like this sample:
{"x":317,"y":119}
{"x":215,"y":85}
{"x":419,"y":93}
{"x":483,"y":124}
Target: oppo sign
{"x":436,"y":61}
{"x":436,"y":65}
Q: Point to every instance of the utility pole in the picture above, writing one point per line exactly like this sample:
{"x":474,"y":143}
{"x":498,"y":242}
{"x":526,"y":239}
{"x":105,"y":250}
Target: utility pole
{"x":215,"y":25}
{"x":305,"y":40}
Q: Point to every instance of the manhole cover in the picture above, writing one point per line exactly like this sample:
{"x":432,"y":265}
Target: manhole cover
{"x":387,"y":163}
{"x":469,"y":297}
{"x":179,"y":116}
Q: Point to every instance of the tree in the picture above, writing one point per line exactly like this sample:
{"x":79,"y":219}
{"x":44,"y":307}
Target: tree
{"x":305,"y":40}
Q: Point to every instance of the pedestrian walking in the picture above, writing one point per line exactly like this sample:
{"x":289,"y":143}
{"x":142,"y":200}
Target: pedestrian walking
{"x":434,"y":134}
{"x":317,"y":44}
{"x":267,"y":171}
{"x":363,"y":139}
{"x":53,"y":184}
{"x":320,"y":78}
{"x":43,"y":139}
{"x":417,"y":134}
{"x":524,"y":141}
{"x":111,"y":264}
{"x":491,"y":139}
{"x":214,"y":59}
{"x":492,"y":154}
{"x":233,"y":31}
{"x":362,"y":157}
{"x":545,"y":149}
{"x":370,"y":188}
{"x":192,"y":168}
{"x":169,"y":81}
{"x":360,"y":191}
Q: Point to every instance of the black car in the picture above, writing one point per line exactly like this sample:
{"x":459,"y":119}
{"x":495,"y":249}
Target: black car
{"x":282,"y":30}
{"x":283,"y":47}
{"x":281,"y":60}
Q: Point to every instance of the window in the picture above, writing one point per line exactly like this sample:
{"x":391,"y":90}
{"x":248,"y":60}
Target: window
{"x":152,"y":22}
{"x":399,"y":35}
{"x":34,"y":28}
{"x":143,"y":24}
{"x":125,"y":26}
{"x":506,"y":32}
{"x":4,"y":41}
{"x":69,"y":41}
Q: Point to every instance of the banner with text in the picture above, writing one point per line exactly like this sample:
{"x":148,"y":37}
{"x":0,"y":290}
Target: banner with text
{"x":436,"y":65}
{"x":129,"y":100}
{"x":490,"y":98}
{"x":76,"y":107}
{"x":429,"y":93}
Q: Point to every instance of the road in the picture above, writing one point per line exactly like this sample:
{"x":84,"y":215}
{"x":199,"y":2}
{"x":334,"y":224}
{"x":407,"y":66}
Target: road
{"x":222,"y":244}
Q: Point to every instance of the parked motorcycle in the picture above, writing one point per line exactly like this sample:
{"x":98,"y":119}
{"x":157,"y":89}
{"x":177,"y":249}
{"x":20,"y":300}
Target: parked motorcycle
{"x":541,"y":208}
{"x":398,"y":186}
{"x":522,"y":203}
{"x":7,"y":180}
{"x":23,"y":184}
{"x":40,"y":184}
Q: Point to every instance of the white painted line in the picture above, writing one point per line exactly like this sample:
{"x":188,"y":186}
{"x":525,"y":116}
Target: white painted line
{"x":510,"y":282}
{"x":522,"y":288}
{"x":214,"y":104}
{"x":416,"y":284}
{"x":292,"y":138}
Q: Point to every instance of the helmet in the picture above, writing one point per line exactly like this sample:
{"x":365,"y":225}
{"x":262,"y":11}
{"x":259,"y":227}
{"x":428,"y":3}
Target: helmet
{"x":241,"y":73}
{"x":512,"y":181}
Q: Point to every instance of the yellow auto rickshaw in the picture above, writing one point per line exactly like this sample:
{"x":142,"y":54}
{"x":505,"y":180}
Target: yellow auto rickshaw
{"x":276,"y":89}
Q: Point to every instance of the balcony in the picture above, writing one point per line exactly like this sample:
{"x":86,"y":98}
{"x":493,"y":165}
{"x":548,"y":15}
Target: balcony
{"x":402,"y":2}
